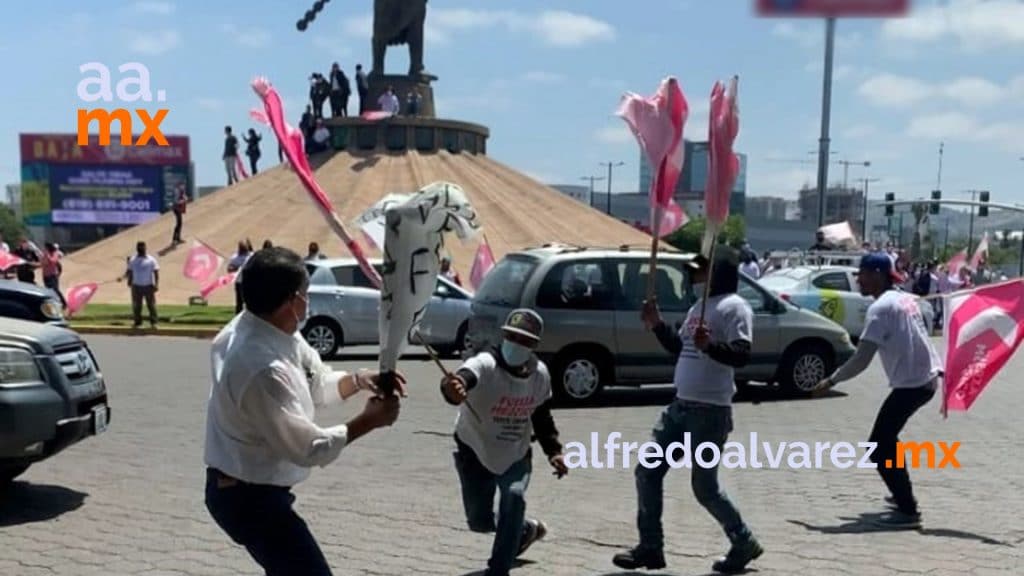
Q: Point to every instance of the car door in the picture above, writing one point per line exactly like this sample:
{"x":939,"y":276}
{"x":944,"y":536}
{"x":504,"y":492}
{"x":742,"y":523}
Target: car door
{"x":837,"y":300}
{"x":859,"y":304}
{"x":447,"y":310}
{"x":360,"y":305}
{"x":639,"y":355}
{"x":765,"y":350}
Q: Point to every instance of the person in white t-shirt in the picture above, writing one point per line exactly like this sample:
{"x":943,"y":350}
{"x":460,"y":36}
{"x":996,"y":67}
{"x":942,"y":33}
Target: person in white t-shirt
{"x":388,"y":101}
{"x":895,"y":329}
{"x":708,"y":354}
{"x":143,"y":276}
{"x":503,"y":401}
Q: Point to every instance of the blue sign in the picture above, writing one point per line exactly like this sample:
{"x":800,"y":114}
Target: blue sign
{"x":97,"y":194}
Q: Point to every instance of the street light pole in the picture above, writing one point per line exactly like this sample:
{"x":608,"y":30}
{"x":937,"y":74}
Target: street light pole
{"x":826,"y":113}
{"x":846,"y":169}
{"x":864,"y":229}
{"x":592,"y":179}
{"x":610,"y":166}
{"x":970,"y":233}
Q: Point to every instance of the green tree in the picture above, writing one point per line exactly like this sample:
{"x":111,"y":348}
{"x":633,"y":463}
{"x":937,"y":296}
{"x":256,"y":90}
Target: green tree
{"x":11,"y":228}
{"x":689,"y":237}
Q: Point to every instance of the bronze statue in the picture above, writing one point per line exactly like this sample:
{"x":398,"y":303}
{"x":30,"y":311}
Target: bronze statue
{"x":397,"y":22}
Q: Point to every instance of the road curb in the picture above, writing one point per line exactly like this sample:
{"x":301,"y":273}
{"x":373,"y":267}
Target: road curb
{"x":199,"y":333}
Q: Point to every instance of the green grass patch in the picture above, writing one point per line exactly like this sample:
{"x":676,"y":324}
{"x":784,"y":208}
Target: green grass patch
{"x":121,"y":315}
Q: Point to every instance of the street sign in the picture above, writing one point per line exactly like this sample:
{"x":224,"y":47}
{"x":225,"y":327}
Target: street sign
{"x":832,"y":8}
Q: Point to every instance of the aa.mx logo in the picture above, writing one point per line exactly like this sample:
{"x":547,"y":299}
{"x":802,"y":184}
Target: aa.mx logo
{"x":129,"y":89}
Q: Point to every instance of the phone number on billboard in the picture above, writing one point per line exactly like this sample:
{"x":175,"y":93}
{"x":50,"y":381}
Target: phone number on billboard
{"x":122,"y":205}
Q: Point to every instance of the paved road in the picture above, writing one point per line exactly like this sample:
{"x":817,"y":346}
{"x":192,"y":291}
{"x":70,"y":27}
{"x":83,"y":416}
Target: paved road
{"x":129,"y":502}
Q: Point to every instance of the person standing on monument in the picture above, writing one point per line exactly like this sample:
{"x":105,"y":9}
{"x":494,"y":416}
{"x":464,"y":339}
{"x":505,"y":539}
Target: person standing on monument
{"x":388,"y":102}
{"x":341,"y":89}
{"x":363,"y":87}
{"x":230,"y":155}
{"x":252,"y":149}
{"x":180,"y":206}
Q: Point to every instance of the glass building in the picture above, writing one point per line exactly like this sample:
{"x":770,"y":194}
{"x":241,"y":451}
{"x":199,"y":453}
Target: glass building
{"x":694,"y":177}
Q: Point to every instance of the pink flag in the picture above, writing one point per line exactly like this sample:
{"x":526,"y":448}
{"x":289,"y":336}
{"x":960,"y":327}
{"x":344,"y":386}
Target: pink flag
{"x":981,"y":253}
{"x":292,"y":145}
{"x":202,"y":262}
{"x":375,"y":115}
{"x":723,"y":164}
{"x":78,"y":296}
{"x":220,"y":282}
{"x":482,"y":264}
{"x":240,"y":166}
{"x":657,"y":123}
{"x":957,"y":262}
{"x":984,"y":329}
{"x":8,"y":260}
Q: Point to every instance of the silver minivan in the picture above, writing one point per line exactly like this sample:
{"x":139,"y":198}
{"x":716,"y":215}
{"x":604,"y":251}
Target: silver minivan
{"x":590,"y":300}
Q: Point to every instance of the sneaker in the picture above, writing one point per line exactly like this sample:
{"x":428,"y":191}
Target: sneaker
{"x":535,"y":531}
{"x":891,"y":503}
{"x":743,"y":552}
{"x":899,"y":520}
{"x":640,"y":558}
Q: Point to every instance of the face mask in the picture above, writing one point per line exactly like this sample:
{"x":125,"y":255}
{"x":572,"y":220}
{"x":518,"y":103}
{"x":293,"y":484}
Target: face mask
{"x":305,"y":313}
{"x":515,"y":354}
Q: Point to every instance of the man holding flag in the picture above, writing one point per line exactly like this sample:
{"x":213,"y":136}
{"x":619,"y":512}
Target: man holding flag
{"x":894,"y":328}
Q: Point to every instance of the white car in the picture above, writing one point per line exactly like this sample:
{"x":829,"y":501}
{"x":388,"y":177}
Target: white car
{"x":831,"y":291}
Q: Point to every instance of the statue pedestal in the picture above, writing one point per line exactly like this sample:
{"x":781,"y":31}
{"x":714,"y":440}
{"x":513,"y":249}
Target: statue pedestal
{"x":403,"y":86}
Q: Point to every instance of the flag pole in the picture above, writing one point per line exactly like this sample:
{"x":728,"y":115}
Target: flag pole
{"x":711,"y":267}
{"x":653,"y":265}
{"x":437,"y":360}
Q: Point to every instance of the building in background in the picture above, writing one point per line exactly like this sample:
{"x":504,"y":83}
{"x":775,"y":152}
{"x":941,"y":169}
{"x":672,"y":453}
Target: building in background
{"x":580,"y":193}
{"x":693,"y":180}
{"x":841,"y":205}
{"x":767,"y":209}
{"x":76,"y":195}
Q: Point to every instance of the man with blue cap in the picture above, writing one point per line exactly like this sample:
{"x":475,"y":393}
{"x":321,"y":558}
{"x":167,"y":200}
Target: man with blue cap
{"x":894,"y":328}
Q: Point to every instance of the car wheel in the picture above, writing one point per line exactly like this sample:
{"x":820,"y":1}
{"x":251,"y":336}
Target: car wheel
{"x":324,"y":336}
{"x":805,"y":365}
{"x":579,"y":375}
{"x":7,"y":475}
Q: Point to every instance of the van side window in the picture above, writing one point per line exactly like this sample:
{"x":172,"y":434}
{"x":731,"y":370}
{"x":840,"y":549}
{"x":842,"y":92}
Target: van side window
{"x":668,"y":285}
{"x":833,"y":281}
{"x":577,"y":286}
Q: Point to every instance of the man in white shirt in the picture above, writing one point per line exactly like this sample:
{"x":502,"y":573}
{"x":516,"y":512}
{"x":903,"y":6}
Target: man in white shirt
{"x":144,"y":279}
{"x":708,"y":355}
{"x":896,"y":330}
{"x":388,"y":101}
{"x":261,"y":437}
{"x":321,"y":136}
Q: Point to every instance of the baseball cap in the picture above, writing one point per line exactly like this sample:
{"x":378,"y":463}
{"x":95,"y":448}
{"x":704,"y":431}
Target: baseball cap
{"x":525,"y":322}
{"x":879,"y":262}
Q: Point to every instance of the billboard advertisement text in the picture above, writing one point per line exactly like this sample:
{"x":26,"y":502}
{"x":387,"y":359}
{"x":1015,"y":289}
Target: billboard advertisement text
{"x":96,"y":194}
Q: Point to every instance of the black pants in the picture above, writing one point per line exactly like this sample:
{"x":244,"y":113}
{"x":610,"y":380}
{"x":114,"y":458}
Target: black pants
{"x":177,"y":227}
{"x":339,"y":104}
{"x":362,"y":102}
{"x":253,"y":159}
{"x":53,"y":283}
{"x":261,"y":518}
{"x":901,"y":404}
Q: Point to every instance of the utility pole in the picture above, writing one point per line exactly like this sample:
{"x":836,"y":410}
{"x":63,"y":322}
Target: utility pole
{"x":945,"y":244}
{"x":610,"y":166}
{"x":826,"y":114}
{"x":864,"y":228}
{"x":846,"y":169}
{"x":592,"y":179}
{"x":938,"y":185}
{"x":970,"y":233}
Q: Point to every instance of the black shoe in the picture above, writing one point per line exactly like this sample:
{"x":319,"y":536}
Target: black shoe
{"x":535,"y":531}
{"x":891,"y":503}
{"x":640,"y":558}
{"x":899,"y":520}
{"x":743,"y":552}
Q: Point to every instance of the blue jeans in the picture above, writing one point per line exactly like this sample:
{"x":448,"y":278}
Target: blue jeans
{"x":261,"y":519}
{"x":705,"y":423}
{"x":478,"y":487}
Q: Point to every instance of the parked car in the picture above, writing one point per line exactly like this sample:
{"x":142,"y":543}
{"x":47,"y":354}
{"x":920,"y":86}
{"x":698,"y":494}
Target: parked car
{"x":590,"y":300}
{"x":831,"y":291}
{"x":26,"y":301}
{"x":344,"y":308}
{"x":52,"y":394}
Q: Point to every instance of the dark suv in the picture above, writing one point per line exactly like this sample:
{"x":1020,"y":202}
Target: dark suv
{"x":52,"y":394}
{"x":26,"y":301}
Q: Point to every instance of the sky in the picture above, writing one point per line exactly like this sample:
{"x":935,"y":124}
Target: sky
{"x":546,"y":76}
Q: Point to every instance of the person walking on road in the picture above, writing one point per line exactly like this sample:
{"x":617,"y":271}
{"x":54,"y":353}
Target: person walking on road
{"x":895,"y":329}
{"x":261,"y":434}
{"x":511,"y":388}
{"x":143,"y":276}
{"x":708,"y":353}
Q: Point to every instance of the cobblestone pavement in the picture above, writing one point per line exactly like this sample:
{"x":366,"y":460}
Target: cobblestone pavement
{"x":130,"y":501}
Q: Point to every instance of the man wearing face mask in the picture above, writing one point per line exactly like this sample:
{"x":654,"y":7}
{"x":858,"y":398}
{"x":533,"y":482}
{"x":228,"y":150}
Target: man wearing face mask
{"x":708,"y":354}
{"x":503,"y":397}
{"x":261,"y":437}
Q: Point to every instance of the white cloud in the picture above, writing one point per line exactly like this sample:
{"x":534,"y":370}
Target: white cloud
{"x":839,"y":73}
{"x":542,"y":77}
{"x":154,"y":43}
{"x":153,"y":7}
{"x":558,"y":28}
{"x":249,"y":37}
{"x":957,"y":126}
{"x":900,"y":91}
{"x":210,"y":103}
{"x":893,"y":90}
{"x":812,"y":35}
{"x":860,"y":131}
{"x":974,"y":24}
{"x":974,"y":91}
{"x":615,"y":134}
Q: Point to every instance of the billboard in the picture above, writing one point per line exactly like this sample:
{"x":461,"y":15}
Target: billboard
{"x":64,"y":149}
{"x":96,"y":194}
{"x":837,"y":8}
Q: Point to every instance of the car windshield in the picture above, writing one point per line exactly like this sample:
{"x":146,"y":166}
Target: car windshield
{"x":785,"y":279}
{"x":504,"y":284}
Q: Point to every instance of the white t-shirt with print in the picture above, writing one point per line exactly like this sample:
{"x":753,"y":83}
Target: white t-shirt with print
{"x":895,"y":324}
{"x":505,"y":404}
{"x":143,"y":270}
{"x":698,"y":378}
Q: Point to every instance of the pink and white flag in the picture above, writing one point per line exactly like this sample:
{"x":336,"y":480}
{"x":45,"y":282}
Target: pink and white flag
{"x":375,"y":115}
{"x":8,"y":260}
{"x":723,"y":163}
{"x":984,"y":328}
{"x":78,"y":296}
{"x":240,"y":167}
{"x":482,"y":264}
{"x":220,"y":282}
{"x":981,"y":253}
{"x":202,"y":262}
{"x":957,"y":262}
{"x":657,"y":123}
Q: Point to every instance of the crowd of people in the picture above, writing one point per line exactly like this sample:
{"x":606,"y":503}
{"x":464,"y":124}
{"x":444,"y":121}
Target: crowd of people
{"x":49,"y":261}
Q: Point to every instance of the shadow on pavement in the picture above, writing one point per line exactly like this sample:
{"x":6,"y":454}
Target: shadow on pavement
{"x":627,"y":573}
{"x":663,"y":395}
{"x":518,"y":564}
{"x":863,"y":524}
{"x":25,"y":503}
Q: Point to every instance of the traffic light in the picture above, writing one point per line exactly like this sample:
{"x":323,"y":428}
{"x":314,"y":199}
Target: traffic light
{"x":889,"y":208}
{"x":983,"y":210}
{"x":933,"y":208}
